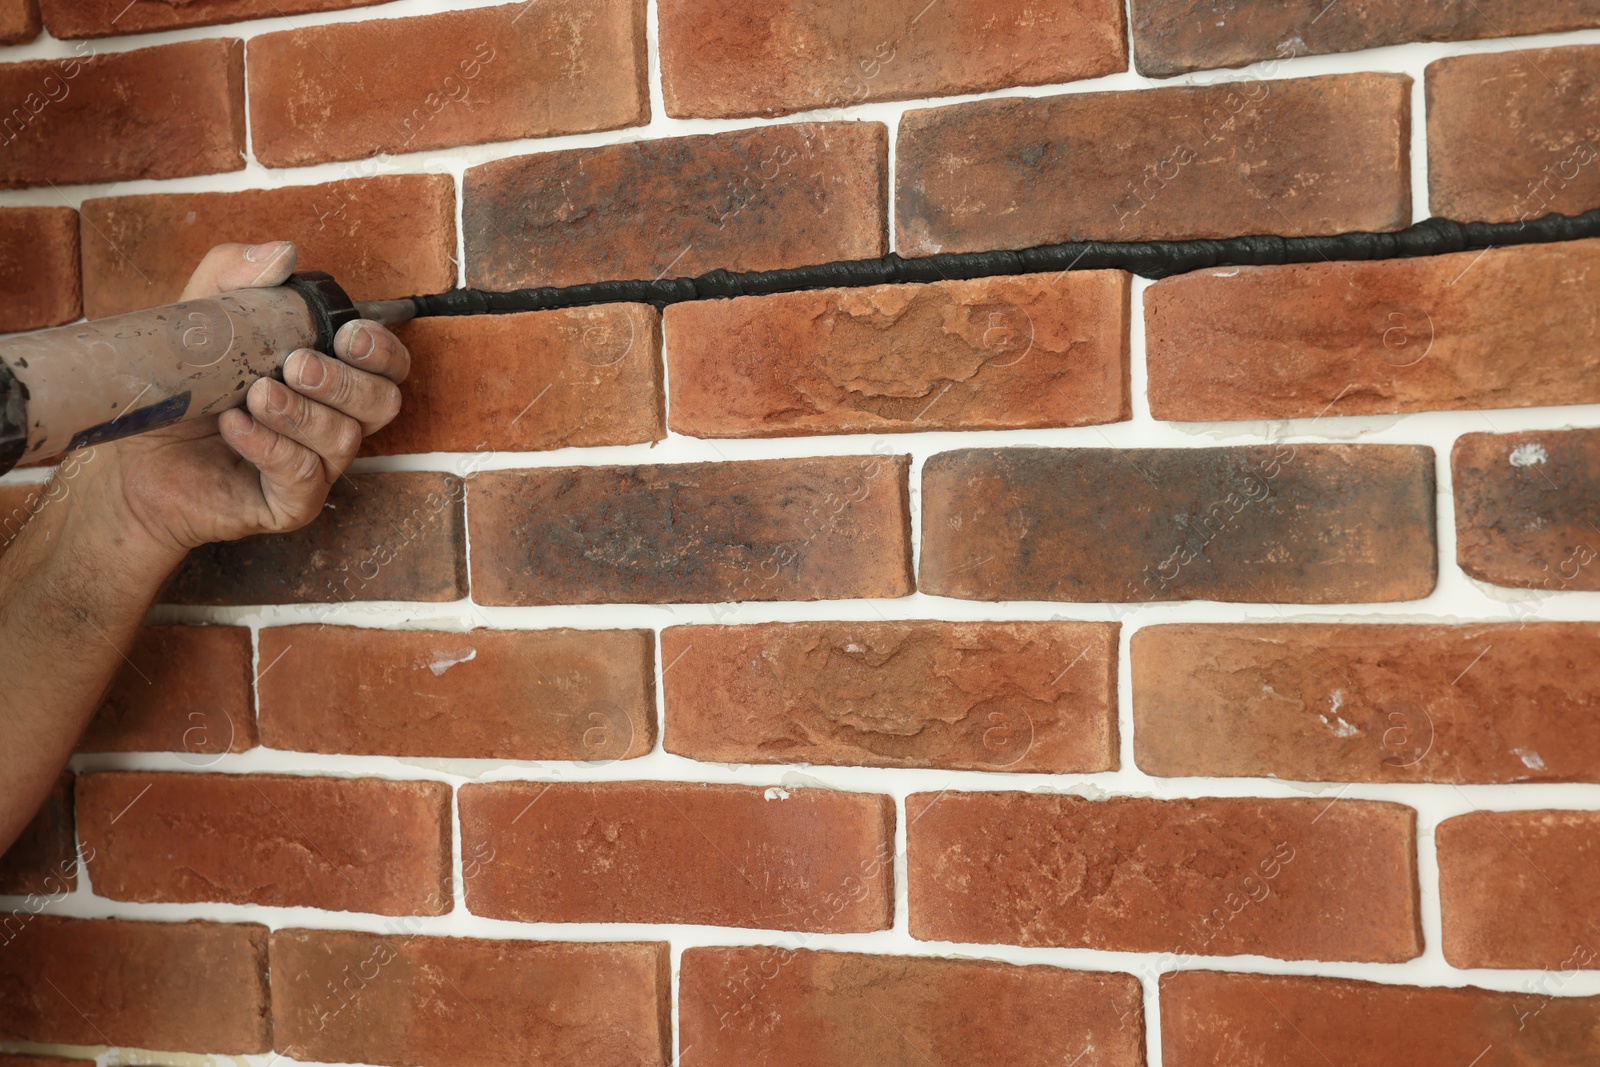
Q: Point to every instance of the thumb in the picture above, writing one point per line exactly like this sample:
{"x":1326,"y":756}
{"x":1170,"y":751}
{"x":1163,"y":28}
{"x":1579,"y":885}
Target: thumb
{"x":238,"y":266}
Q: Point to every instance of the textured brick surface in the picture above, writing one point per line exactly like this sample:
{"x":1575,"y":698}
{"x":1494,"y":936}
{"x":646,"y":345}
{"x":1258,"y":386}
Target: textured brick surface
{"x":488,"y":694}
{"x":1484,"y":703}
{"x":723,"y":58}
{"x":1293,"y":879}
{"x":106,"y":18}
{"x":758,"y":1006}
{"x":41,"y":1061}
{"x":379,"y":237}
{"x":39,"y":267}
{"x":1299,"y":156}
{"x":995,"y":353}
{"x":1521,"y":889}
{"x":19,"y":21}
{"x":1257,"y":1020}
{"x":151,"y":985}
{"x":783,"y":529}
{"x":163,"y":112}
{"x":1515,"y":135}
{"x":1174,"y":36}
{"x":490,"y":74}
{"x":342,"y":844}
{"x":1499,"y":329}
{"x":1012,"y":696}
{"x":382,"y":536}
{"x":573,"y":378}
{"x":1525,"y":508}
{"x":670,"y":852}
{"x":776,"y":196}
{"x":343,"y":996}
{"x":44,"y":859}
{"x":1278,"y":523}
{"x":182,"y":689}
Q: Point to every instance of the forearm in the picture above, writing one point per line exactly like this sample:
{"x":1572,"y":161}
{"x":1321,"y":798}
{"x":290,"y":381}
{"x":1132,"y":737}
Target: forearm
{"x":75,"y":584}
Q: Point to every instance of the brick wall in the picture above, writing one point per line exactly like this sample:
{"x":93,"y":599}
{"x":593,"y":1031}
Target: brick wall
{"x":1041,"y":670}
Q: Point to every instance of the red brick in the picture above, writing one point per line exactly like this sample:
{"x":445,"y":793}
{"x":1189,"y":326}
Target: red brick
{"x":109,"y":18}
{"x":41,"y":1061}
{"x":992,"y":354}
{"x":197,"y":986}
{"x":759,"y":1005}
{"x":527,"y":383}
{"x":1176,"y":36}
{"x":1292,"y":879}
{"x":44,"y":859}
{"x":183,"y":689}
{"x":343,"y":996}
{"x":533,"y":694}
{"x":39,"y":268}
{"x":1485,"y":703}
{"x":382,"y":536}
{"x":1297,"y":156}
{"x":163,"y":112}
{"x":994,"y":696}
{"x":1500,"y":329}
{"x":1520,"y":889}
{"x":1209,"y":1018}
{"x":19,"y":21}
{"x":1307,"y":524}
{"x":490,"y":74}
{"x":380,"y":237}
{"x":724,"y":59}
{"x":1523,"y":508}
{"x":1513,"y":135}
{"x":341,"y":844}
{"x":679,"y":852}
{"x":783,"y":529}
{"x":758,"y":199}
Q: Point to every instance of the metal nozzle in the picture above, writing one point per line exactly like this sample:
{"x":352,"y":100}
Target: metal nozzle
{"x":387,"y":312}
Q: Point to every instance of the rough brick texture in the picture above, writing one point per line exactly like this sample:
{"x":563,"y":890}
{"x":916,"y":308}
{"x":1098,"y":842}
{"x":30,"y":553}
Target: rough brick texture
{"x":182,"y":689}
{"x":341,"y":844}
{"x":990,"y":354}
{"x":387,"y":536}
{"x":41,"y":1061}
{"x":19,"y":21}
{"x":723,"y":58}
{"x":1294,"y":879}
{"x":574,"y":378}
{"x":379,"y":237}
{"x":761,"y":1006}
{"x":1298,"y":156}
{"x":775,"y":196}
{"x":1500,"y":329}
{"x":1314,"y":524}
{"x":345,"y":997}
{"x":1485,"y":703}
{"x":107,"y":18}
{"x":784,"y":529}
{"x":484,"y":694}
{"x":1175,"y":36}
{"x":39,"y":267}
{"x":1525,"y":508}
{"x":151,"y":985}
{"x":163,"y":112}
{"x":814,"y":860}
{"x":1514,"y":135}
{"x":1209,"y":1018}
{"x":1521,"y":889}
{"x":490,"y":74}
{"x":44,"y":859}
{"x":994,"y":696}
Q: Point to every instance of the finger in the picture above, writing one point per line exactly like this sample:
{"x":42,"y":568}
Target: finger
{"x":331,"y":434}
{"x":370,"y":399}
{"x":371,"y":347}
{"x":292,"y":482}
{"x":236,"y":266}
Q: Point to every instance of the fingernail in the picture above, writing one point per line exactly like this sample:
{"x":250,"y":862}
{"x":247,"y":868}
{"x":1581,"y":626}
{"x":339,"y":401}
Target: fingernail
{"x":362,"y":343}
{"x":264,"y":253}
{"x":242,"y":425}
{"x":277,"y":398}
{"x":312,"y":372}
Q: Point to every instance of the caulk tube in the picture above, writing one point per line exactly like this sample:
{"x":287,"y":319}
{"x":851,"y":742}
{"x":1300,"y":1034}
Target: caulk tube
{"x":79,"y":385}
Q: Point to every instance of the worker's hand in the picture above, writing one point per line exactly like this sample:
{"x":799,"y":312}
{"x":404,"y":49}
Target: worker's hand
{"x":265,"y":468}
